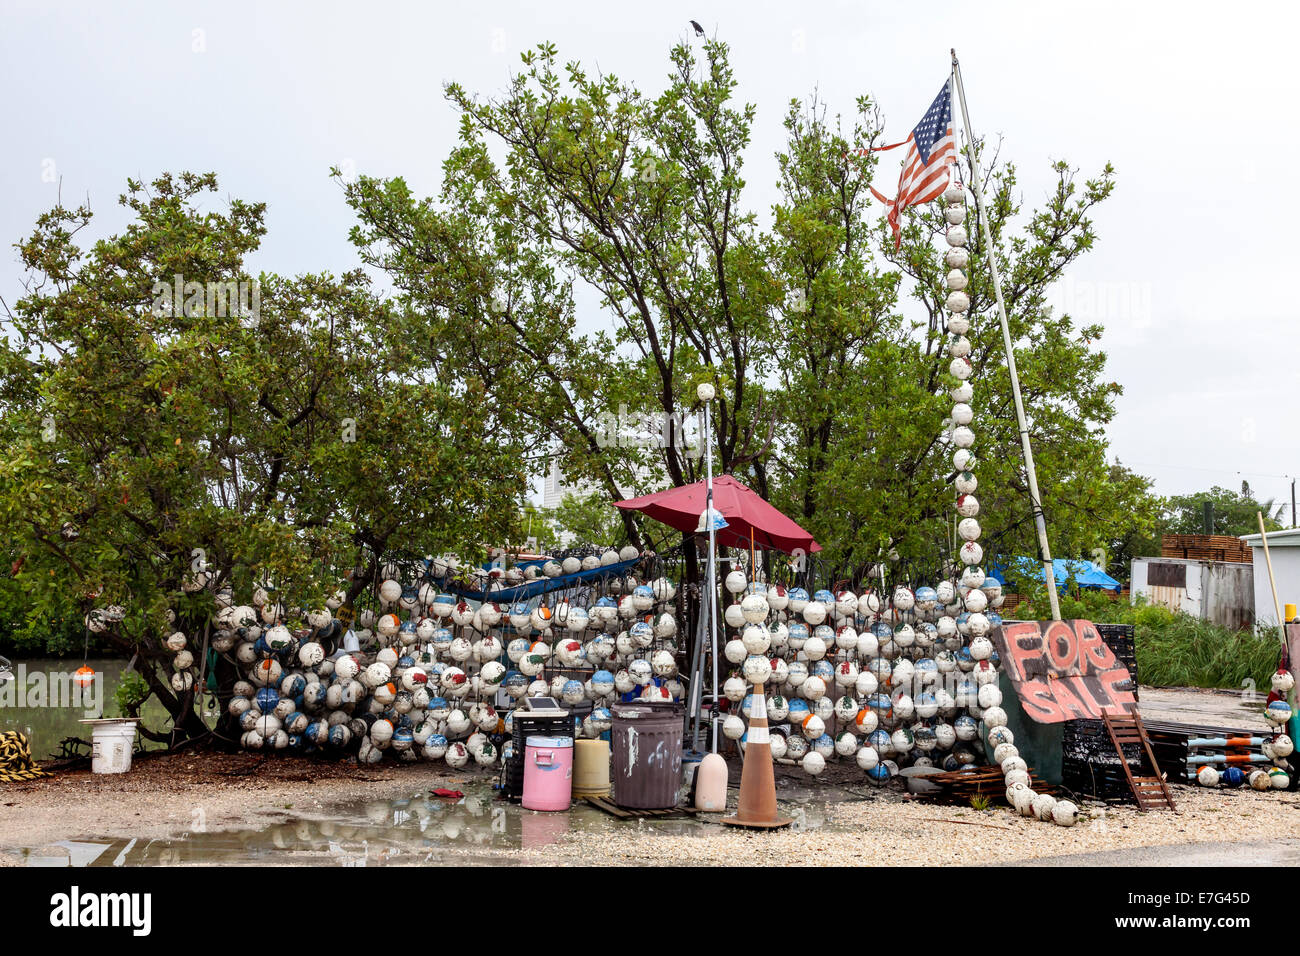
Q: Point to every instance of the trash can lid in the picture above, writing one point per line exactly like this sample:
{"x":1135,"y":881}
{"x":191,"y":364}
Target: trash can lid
{"x":557,"y":742}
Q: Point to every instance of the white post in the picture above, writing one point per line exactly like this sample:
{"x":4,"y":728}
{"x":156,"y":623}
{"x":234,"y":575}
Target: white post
{"x":1035,"y":499}
{"x":713,"y":576}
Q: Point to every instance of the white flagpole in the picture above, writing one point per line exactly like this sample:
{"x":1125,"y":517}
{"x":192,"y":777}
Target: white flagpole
{"x":1035,"y":499}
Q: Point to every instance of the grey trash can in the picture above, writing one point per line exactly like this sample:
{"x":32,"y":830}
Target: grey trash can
{"x":647,"y":743}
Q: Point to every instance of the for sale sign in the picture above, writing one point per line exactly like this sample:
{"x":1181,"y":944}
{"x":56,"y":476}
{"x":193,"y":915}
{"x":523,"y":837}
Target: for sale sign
{"x":1063,"y":670}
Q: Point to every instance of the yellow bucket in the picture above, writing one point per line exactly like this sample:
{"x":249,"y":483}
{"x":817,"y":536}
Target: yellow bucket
{"x":591,"y":768}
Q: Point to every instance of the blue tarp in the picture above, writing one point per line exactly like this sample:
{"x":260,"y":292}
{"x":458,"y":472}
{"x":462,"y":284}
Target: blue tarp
{"x":1083,"y":574}
{"x":543,"y":585}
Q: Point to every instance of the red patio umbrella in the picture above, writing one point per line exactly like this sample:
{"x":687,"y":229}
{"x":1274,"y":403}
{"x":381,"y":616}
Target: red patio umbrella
{"x":745,"y":511}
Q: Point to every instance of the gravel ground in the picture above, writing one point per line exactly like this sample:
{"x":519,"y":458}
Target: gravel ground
{"x":163,"y":796}
{"x":888,"y":829}
{"x":840,"y":820}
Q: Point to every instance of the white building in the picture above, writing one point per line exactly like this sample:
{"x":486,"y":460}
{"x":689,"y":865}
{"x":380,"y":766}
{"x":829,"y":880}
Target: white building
{"x":1284,"y":549}
{"x":554,"y":488}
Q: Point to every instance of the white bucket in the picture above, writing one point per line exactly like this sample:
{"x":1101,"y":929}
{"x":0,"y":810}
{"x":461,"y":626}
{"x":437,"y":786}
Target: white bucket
{"x":112,"y":743}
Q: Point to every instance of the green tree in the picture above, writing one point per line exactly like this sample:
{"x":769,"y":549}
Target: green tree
{"x":637,"y":198}
{"x":1139,"y":535}
{"x":150,"y":444}
{"x":1232,"y":512}
{"x":539,"y":524}
{"x":825,"y":342}
{"x":589,"y":519}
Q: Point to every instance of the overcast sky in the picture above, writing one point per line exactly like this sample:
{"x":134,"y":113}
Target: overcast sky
{"x":1194,"y":104}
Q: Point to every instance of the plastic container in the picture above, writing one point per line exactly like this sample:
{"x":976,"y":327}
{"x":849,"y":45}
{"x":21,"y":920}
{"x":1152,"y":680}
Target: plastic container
{"x":548,"y":773}
{"x":527,"y":725}
{"x":112,"y":741}
{"x":591,"y":768}
{"x":647,"y":754}
{"x":690,"y":765}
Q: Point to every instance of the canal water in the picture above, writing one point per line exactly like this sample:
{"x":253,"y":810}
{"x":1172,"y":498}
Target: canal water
{"x":42,"y":701}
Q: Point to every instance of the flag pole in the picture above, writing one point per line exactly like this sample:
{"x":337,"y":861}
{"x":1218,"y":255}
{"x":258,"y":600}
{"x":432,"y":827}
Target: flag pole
{"x":1034,"y":497}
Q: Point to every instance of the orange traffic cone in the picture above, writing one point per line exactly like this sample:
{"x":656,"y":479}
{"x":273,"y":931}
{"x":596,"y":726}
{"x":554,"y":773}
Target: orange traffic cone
{"x":757,"y":806}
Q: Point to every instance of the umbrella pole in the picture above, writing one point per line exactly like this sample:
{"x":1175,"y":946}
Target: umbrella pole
{"x":697,"y":676}
{"x":712,"y":615}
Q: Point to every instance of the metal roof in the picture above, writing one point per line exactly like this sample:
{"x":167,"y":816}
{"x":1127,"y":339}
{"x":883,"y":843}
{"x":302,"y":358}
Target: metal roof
{"x":1289,"y":538}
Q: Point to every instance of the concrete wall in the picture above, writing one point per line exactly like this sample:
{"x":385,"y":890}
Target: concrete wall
{"x":1286,"y":568}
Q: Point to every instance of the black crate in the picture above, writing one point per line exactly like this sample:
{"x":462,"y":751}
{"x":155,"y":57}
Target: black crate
{"x":524,"y":725}
{"x":1119,"y":638}
{"x":1090,"y":766}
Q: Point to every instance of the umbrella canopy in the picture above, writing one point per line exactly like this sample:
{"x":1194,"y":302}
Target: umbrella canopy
{"x":745,"y":512}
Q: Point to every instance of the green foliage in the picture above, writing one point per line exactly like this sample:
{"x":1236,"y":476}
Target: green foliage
{"x":1174,"y":649}
{"x":634,"y":197}
{"x":1235,"y":513}
{"x":1189,"y":652}
{"x":538,"y":523}
{"x":1092,"y":506}
{"x":589,"y":519}
{"x":145,"y":440}
{"x":24,"y":632}
{"x":980,"y":802}
{"x":130,"y":694}
{"x":831,"y":393}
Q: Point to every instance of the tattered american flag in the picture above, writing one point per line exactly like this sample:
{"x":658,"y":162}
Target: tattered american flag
{"x":931,"y":151}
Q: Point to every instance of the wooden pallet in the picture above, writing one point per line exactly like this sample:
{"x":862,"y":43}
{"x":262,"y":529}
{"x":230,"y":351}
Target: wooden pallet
{"x":1151,"y":792}
{"x":628,"y":813}
{"x":958,"y":786}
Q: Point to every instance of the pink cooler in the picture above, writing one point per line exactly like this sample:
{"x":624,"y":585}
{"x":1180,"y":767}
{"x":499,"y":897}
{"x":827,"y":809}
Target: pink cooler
{"x":548,"y":773}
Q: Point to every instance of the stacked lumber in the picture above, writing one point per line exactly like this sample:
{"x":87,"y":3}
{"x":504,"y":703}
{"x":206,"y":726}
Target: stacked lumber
{"x":1205,"y":547}
{"x":628,"y":813}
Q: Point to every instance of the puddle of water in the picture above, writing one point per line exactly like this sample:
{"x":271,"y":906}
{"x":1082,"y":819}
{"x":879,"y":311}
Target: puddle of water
{"x":407,"y":830}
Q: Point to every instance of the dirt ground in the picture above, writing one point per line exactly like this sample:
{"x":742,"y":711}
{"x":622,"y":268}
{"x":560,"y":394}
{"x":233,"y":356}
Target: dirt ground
{"x":839,"y":819}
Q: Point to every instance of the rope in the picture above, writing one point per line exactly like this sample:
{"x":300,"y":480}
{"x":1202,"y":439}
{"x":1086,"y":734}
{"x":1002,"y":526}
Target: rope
{"x":16,"y":759}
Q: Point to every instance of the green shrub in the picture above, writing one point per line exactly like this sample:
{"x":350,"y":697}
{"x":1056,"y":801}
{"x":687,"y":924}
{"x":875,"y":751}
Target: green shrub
{"x":1188,"y":652}
{"x":131,"y":692}
{"x":1173,"y":649}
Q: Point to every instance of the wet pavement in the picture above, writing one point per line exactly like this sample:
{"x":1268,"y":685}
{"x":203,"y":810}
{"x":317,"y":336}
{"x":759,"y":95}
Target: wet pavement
{"x":1284,"y":852}
{"x":1239,"y":710}
{"x":407,"y":830}
{"x":416,"y":828}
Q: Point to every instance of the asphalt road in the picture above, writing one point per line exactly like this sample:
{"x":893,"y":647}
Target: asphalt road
{"x":1285,"y":852}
